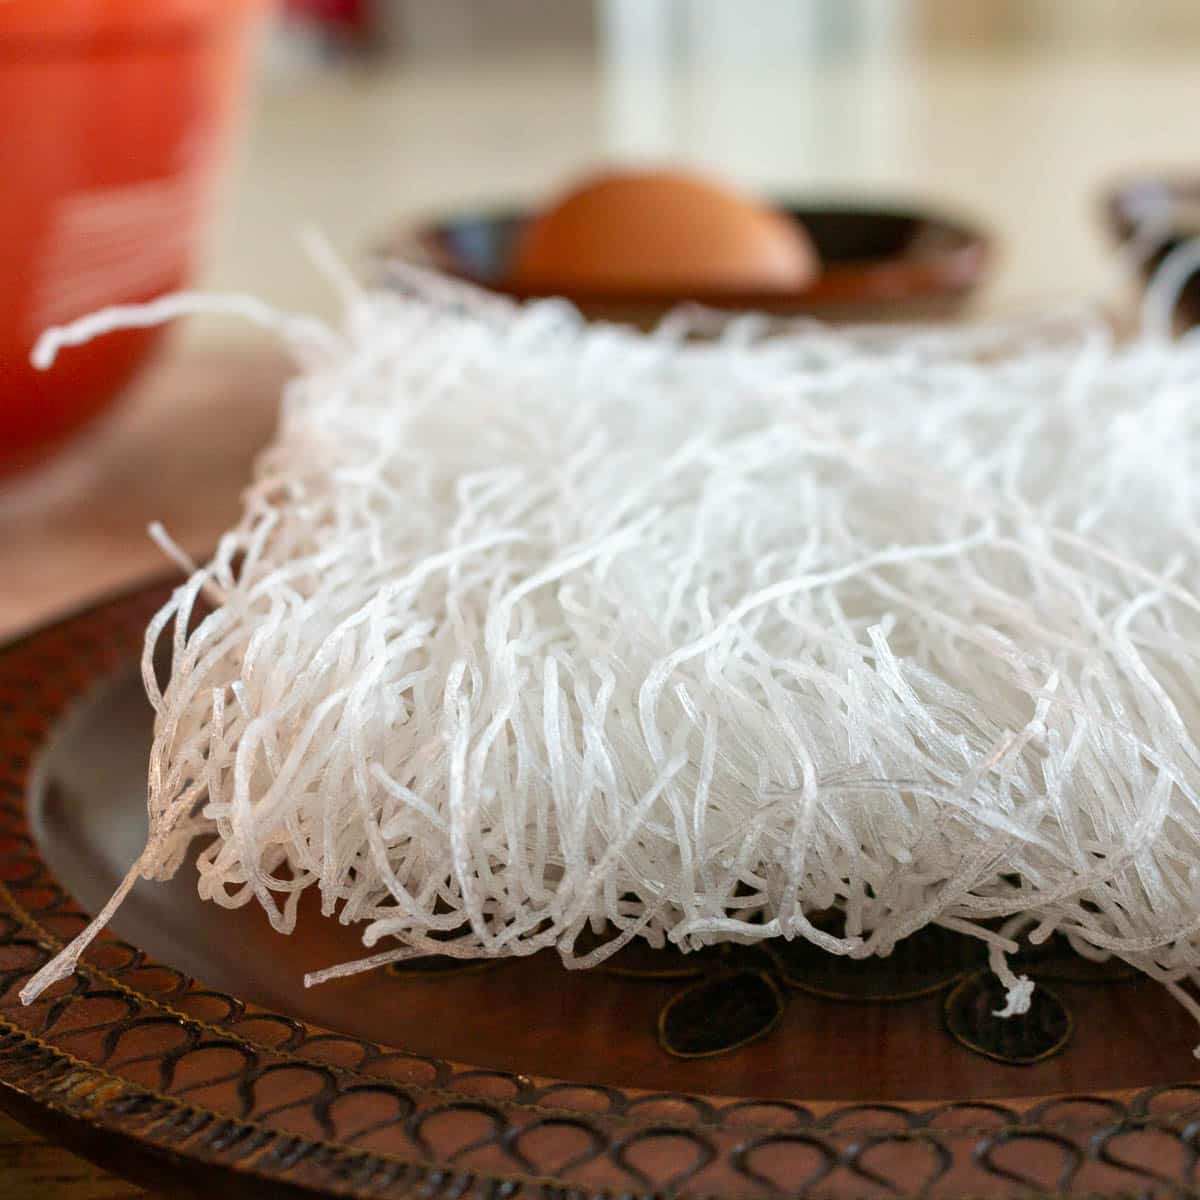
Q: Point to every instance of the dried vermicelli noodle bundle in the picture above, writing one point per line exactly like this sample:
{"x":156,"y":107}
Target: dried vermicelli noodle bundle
{"x":532,"y":627}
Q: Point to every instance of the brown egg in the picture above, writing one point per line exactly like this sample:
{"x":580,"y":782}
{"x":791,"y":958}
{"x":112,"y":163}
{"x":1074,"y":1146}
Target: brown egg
{"x":662,"y":232}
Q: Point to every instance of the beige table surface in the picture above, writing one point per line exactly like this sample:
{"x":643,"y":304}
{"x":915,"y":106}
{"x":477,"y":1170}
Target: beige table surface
{"x":1022,"y":142}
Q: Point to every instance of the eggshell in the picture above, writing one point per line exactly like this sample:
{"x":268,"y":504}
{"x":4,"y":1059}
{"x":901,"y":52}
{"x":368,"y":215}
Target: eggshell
{"x":660,"y":231}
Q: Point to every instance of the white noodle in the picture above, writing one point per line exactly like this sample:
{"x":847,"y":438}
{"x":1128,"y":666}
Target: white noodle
{"x":531,"y":627}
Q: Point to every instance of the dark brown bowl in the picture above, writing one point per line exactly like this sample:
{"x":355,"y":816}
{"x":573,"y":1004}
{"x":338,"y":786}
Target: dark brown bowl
{"x":877,"y":264}
{"x":1164,"y":210}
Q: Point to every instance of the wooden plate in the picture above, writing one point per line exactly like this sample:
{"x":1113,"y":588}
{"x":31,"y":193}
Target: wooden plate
{"x":187,"y":1053}
{"x":878,"y":263}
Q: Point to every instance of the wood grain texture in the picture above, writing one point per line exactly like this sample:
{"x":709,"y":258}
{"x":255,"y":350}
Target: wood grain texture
{"x":30,"y":1166}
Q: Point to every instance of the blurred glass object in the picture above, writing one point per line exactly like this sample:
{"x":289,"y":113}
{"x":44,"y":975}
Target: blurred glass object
{"x":685,"y":78}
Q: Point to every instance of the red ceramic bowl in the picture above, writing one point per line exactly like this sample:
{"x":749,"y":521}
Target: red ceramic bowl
{"x":113,"y":118}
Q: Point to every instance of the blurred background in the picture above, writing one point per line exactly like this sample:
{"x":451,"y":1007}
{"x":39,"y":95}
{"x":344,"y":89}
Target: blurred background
{"x":368,"y":118}
{"x":1016,"y":112}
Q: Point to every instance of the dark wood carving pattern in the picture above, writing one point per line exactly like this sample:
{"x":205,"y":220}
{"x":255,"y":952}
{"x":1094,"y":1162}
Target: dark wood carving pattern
{"x":133,"y":1048}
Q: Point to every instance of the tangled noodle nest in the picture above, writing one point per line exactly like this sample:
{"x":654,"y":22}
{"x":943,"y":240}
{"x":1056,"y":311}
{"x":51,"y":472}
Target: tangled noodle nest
{"x":531,"y":626}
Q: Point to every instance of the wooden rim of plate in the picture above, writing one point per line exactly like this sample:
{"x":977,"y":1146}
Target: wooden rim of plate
{"x":151,"y":1073}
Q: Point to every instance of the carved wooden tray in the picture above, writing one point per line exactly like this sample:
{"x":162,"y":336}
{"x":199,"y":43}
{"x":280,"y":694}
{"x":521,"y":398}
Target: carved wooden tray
{"x":187,"y":1053}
